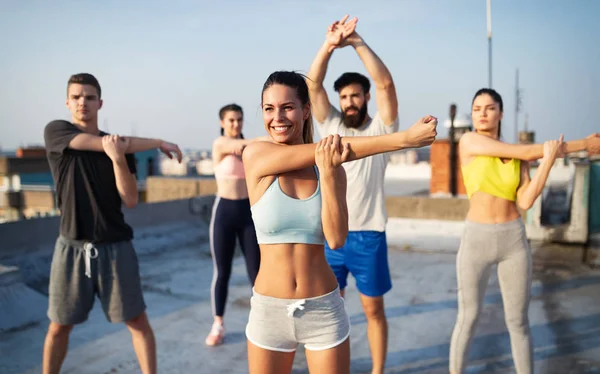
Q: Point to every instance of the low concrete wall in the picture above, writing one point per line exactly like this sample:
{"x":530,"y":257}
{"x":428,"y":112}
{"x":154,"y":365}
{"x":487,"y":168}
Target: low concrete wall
{"x":176,"y":199}
{"x":427,"y":208}
{"x":21,"y":237}
{"x":594,"y":220}
{"x":577,"y":230}
{"x":168,"y":211}
{"x":166,"y":189}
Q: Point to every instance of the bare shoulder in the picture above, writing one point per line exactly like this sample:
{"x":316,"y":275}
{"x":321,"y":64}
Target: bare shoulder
{"x":472,"y":143}
{"x":218,"y":141}
{"x":255,"y":150}
{"x":465,"y":143}
{"x":468,"y":138}
{"x":224,"y":141}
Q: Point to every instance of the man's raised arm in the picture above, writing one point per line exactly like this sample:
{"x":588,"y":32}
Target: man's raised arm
{"x":336,"y":33}
{"x":385,"y":90}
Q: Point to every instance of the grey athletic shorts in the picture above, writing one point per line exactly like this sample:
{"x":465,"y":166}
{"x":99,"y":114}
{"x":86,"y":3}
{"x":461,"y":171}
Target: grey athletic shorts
{"x":81,"y":270}
{"x":281,"y":324}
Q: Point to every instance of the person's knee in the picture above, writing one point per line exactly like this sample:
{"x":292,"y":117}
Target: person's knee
{"x":223,"y":274}
{"x":56,"y":330}
{"x":374,"y":309}
{"x":469,"y":315}
{"x":139,"y":324}
{"x":517,"y":323}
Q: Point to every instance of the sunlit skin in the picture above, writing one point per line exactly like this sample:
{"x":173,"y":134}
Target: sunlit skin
{"x":300,"y":270}
{"x":307,"y":273}
{"x":233,"y":189}
{"x":352,"y":99}
{"x":353,"y":102}
{"x":83,"y":103}
{"x":232,"y":124}
{"x":486,"y":115}
{"x":284,"y":114}
{"x":485,"y":208}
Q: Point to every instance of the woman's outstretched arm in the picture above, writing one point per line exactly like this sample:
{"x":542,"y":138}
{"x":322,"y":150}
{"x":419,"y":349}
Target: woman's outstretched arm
{"x":262,"y":159}
{"x":473,"y":144}
{"x":530,"y":189}
{"x":226,"y":146}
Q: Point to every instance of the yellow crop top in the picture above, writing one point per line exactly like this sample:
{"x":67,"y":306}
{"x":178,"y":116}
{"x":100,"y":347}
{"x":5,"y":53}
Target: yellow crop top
{"x":490,"y":175}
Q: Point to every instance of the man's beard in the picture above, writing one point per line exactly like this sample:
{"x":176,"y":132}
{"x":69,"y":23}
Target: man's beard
{"x":355,"y":120}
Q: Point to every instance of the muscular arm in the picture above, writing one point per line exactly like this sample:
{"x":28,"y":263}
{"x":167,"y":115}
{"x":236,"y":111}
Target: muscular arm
{"x":531,"y":188}
{"x":316,"y":75}
{"x":60,"y":135}
{"x":385,"y":90}
{"x":262,"y":159}
{"x":126,"y":183}
{"x":473,"y":144}
{"x":223,"y":146}
{"x":334,"y":210}
{"x":89,"y":142}
{"x":142,"y":144}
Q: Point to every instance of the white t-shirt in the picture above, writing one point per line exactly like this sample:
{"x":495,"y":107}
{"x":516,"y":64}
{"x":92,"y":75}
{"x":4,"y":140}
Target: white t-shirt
{"x":365,"y":194}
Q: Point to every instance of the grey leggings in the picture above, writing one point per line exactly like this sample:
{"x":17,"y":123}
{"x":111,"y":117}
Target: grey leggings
{"x":482,"y":246}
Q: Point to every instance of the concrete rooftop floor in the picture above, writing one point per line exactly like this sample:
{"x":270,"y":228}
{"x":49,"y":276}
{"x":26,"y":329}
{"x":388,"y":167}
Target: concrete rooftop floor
{"x":177,"y":270}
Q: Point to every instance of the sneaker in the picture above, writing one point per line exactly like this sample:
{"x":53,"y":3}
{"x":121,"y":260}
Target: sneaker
{"x":216,"y":335}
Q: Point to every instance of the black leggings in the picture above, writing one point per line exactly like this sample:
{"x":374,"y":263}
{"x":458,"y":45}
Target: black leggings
{"x":230,"y":219}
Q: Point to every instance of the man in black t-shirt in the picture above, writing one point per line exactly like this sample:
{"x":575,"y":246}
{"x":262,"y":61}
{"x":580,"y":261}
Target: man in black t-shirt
{"x":94,"y":174}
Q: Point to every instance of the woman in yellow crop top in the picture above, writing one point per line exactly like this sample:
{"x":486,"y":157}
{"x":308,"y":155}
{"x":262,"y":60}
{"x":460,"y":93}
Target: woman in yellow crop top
{"x":496,"y":176}
{"x":231,"y":219}
{"x":296,"y":298}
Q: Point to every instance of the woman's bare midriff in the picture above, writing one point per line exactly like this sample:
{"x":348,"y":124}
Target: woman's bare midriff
{"x":485,"y":208}
{"x":232,"y":188}
{"x":294,"y":271}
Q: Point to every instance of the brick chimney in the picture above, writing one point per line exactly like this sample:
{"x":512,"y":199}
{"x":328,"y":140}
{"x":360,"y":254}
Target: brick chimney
{"x":31,"y":152}
{"x":440,"y":169}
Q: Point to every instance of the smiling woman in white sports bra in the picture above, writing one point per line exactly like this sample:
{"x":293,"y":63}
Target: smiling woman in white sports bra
{"x":295,"y":207}
{"x":231,"y":218}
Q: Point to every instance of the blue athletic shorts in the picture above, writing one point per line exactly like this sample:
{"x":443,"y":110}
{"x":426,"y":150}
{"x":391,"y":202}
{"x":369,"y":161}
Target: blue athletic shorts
{"x":364,"y":255}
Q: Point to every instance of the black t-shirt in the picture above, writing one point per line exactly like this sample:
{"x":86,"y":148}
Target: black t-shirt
{"x":86,"y":188}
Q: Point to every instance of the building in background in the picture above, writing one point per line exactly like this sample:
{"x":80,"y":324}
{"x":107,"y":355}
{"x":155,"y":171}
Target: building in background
{"x":27,"y":187}
{"x":440,"y":159}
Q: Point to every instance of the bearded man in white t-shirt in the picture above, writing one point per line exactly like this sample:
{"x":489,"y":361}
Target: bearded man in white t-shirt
{"x":364,"y":254}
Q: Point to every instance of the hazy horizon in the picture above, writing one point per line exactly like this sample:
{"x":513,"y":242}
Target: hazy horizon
{"x":166,"y":68}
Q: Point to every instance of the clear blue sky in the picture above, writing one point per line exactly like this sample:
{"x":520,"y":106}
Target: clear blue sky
{"x":166,"y":67}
